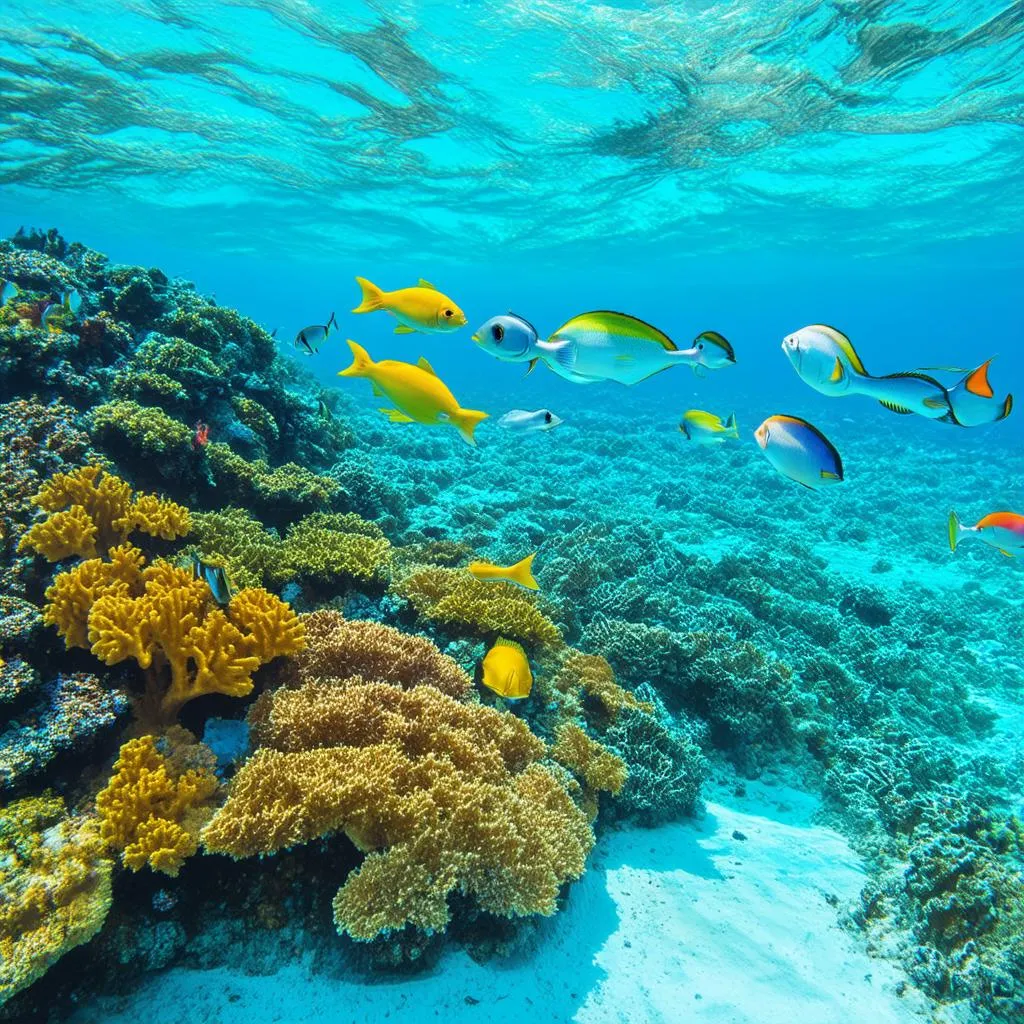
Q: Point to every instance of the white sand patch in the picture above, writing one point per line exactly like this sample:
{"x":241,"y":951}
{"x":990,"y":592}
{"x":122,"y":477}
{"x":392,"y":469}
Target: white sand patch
{"x":680,"y":923}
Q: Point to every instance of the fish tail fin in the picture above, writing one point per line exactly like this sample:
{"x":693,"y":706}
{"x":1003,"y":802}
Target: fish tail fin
{"x":331,"y":322}
{"x":976,"y":382}
{"x":373,"y":297}
{"x":730,"y":426}
{"x":362,"y":364}
{"x":466,"y":421}
{"x":522,"y":573}
{"x":954,"y":529}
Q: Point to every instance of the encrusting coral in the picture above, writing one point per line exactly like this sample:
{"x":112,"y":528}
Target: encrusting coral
{"x":152,"y":808}
{"x":54,"y":888}
{"x":439,"y":794}
{"x":454,"y":597}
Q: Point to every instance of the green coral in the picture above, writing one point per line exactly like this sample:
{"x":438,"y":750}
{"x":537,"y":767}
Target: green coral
{"x":175,"y":357}
{"x":54,"y":888}
{"x":256,"y":417}
{"x":146,"y":429}
{"x":149,"y":384}
{"x":282,"y":490}
{"x":330,"y":547}
{"x":454,"y":597}
{"x":235,"y":539}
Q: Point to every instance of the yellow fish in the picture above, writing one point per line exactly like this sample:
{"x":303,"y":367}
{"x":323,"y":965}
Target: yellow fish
{"x":521,"y":573}
{"x":422,"y":308}
{"x":506,"y":670}
{"x":420,"y":396}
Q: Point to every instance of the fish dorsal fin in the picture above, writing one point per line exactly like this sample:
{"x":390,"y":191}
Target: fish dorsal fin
{"x":898,"y":409}
{"x":427,"y":284}
{"x":620,"y":323}
{"x":424,"y":365}
{"x":847,"y":346}
{"x":913,"y":373}
{"x":502,"y":642}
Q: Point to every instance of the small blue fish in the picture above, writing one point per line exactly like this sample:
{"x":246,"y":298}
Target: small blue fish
{"x":309,"y":339}
{"x":72,"y":301}
{"x":215,"y":577}
{"x":800,"y":451}
{"x":8,"y":290}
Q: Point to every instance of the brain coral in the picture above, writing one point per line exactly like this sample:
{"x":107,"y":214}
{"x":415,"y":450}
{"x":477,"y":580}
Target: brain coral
{"x":54,"y":888}
{"x":152,"y":808}
{"x":440,"y":795}
{"x":338,"y":648}
{"x":485,"y":609}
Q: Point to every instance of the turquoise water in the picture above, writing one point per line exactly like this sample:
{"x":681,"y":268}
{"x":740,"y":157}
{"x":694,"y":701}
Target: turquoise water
{"x":821,"y":822}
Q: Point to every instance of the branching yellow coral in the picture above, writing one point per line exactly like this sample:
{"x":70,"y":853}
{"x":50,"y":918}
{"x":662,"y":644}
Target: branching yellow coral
{"x":151,"y":812}
{"x":93,"y":498}
{"x":62,"y":535}
{"x":337,"y":648}
{"x":485,"y":609}
{"x":441,"y":795}
{"x":54,"y":888}
{"x":592,"y":675}
{"x":599,"y":768}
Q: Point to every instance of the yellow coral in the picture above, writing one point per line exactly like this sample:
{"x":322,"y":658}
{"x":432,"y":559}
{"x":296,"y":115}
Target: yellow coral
{"x":337,"y":647}
{"x":591,"y":674}
{"x":106,"y":502}
{"x":441,"y":795}
{"x":486,"y":609}
{"x":54,"y":888}
{"x":150,"y":811}
{"x":163,"y":618}
{"x":599,"y":768}
{"x":62,"y":535}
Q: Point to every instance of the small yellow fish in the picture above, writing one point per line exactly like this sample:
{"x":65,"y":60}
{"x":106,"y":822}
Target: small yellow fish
{"x":506,"y":670}
{"x":422,"y":308}
{"x":521,"y":573}
{"x":707,"y":428}
{"x":420,"y":396}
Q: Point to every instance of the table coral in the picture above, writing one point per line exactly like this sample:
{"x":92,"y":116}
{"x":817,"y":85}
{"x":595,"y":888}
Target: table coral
{"x":337,"y":648}
{"x":334,"y":547}
{"x":152,"y":808}
{"x":441,"y":795}
{"x":54,"y":888}
{"x":454,"y":597}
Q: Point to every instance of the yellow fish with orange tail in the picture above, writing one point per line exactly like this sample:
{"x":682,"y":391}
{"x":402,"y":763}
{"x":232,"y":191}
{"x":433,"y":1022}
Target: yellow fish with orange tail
{"x":520,"y":574}
{"x":420,"y":308}
{"x":420,"y":396}
{"x":506,"y":670}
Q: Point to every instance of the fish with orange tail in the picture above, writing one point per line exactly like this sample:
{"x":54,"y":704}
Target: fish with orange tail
{"x":1002,"y":530}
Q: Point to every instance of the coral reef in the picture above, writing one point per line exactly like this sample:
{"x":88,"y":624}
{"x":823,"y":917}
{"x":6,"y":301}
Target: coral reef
{"x":155,"y":803}
{"x":439,"y":794}
{"x":54,"y":888}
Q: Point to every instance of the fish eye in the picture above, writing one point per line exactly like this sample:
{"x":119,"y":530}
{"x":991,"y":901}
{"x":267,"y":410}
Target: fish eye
{"x":449,"y":313}
{"x":547,"y":417}
{"x":498,"y":332}
{"x":700,"y":346}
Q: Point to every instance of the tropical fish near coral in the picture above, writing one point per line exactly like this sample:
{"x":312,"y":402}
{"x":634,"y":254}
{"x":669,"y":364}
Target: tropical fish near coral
{"x":601,"y":345}
{"x":522,"y":420}
{"x":521,"y":573}
{"x":825,"y":358}
{"x":800,"y":451}
{"x":707,"y":428}
{"x":201,"y":437}
{"x":50,"y":317}
{"x":420,"y":396}
{"x":420,"y":308}
{"x":309,"y":339}
{"x":8,"y":290}
{"x":216,"y":579}
{"x":71,"y":300}
{"x":1003,"y":530}
{"x":506,"y":670}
